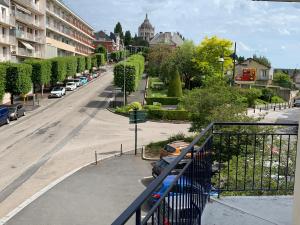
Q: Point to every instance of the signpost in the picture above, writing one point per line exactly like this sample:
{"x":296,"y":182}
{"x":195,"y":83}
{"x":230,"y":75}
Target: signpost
{"x":136,"y":117}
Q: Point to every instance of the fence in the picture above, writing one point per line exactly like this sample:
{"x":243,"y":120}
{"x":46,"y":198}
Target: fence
{"x":225,"y":157}
{"x":272,"y":106}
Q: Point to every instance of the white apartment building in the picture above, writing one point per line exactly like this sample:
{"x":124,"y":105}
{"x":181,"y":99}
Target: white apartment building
{"x":42,"y":29}
{"x":4,"y":31}
{"x":66,"y":31}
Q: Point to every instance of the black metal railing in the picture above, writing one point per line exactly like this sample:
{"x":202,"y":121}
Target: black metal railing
{"x":248,"y":158}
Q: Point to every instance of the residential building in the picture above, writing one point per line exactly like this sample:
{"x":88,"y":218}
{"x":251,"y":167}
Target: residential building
{"x":167,"y":38}
{"x":111,"y":43}
{"x":42,"y":29}
{"x":254,"y":72}
{"x":146,"y":30}
{"x":66,"y":33}
{"x":4,"y":31}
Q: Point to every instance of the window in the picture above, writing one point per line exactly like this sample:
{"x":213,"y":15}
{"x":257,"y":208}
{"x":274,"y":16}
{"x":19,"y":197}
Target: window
{"x":263,"y":73}
{"x":4,"y":50}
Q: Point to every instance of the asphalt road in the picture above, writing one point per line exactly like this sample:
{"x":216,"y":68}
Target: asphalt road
{"x":95,"y":195}
{"x":43,"y":147}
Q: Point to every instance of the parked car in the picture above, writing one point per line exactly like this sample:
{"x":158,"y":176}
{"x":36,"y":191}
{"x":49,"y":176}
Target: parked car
{"x":89,"y":77}
{"x":95,"y":74}
{"x":16,"y":111}
{"x":173,"y":149}
{"x":83,"y":80}
{"x":57,"y":92}
{"x":77,"y":82}
{"x":4,"y":115}
{"x":160,"y":165}
{"x":71,"y":86}
{"x":297,"y":103}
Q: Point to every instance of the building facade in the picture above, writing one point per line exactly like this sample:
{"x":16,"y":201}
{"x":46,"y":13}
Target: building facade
{"x":252,"y":71}
{"x":42,"y":29}
{"x":167,"y":38}
{"x":111,"y":43}
{"x":146,"y":30}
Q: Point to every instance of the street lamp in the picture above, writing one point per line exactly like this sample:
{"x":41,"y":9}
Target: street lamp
{"x":221,"y":60}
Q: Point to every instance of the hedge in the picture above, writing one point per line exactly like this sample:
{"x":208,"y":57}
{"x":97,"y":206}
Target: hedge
{"x":88,"y":62}
{"x":182,"y":115}
{"x":18,"y":79}
{"x":71,"y":63}
{"x":41,"y":71}
{"x":80,"y":64}
{"x":2,"y":81}
{"x":163,"y":100}
{"x":118,"y":55}
{"x":59,"y":69}
{"x":134,"y":68}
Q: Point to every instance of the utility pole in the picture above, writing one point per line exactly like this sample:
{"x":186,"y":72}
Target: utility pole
{"x":234,"y":58}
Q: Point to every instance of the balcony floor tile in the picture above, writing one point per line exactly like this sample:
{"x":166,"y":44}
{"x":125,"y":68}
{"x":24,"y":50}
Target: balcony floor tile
{"x":266,"y":210}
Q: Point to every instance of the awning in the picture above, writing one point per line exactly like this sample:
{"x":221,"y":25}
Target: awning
{"x":27,"y":45}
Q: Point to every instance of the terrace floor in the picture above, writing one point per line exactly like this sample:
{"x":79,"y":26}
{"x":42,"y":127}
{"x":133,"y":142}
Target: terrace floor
{"x":267,"y":210}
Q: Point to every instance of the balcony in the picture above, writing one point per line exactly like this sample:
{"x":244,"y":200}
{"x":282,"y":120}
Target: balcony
{"x":5,"y":40}
{"x":29,"y":37}
{"x":29,"y":4}
{"x":225,"y":159}
{"x":28,"y":53}
{"x":27,"y":19}
{"x":5,"y":20}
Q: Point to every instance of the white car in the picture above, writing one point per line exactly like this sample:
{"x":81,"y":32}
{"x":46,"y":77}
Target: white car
{"x":71,"y":86}
{"x":58,"y":92}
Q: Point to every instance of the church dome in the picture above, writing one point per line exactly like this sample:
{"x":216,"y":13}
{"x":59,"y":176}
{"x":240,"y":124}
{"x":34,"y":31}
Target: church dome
{"x":146,"y":24}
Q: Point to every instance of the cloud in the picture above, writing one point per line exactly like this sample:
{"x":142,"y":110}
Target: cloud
{"x":261,"y":25}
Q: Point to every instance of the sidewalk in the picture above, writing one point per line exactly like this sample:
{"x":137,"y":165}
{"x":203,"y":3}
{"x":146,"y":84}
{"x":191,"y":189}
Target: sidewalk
{"x":139,"y":94}
{"x":95,"y":195}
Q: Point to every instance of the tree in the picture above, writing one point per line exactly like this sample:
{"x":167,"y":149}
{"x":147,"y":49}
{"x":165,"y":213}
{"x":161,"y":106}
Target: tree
{"x":41,"y":73}
{"x":282,"y":79}
{"x":175,"y":87}
{"x":58,"y":69}
{"x":139,"y":41}
{"x":209,"y":52}
{"x":118,"y":30}
{"x":240,"y":59}
{"x":183,"y":59}
{"x":158,"y":55}
{"x":2,"y":81}
{"x":128,"y":38}
{"x":18,"y":79}
{"x":262,"y":60}
{"x":88,"y":63}
{"x":71,"y":63}
{"x":214,"y":103}
{"x":80,"y":64}
{"x":101,"y":49}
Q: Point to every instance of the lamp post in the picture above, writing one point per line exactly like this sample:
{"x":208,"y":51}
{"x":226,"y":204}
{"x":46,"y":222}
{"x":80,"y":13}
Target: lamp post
{"x":221,"y":60}
{"x":124,"y":81}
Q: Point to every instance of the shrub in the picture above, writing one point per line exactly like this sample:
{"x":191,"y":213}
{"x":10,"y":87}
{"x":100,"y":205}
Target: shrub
{"x":175,"y":86}
{"x":18,"y":79}
{"x":163,"y":100}
{"x":41,"y":72}
{"x":152,"y":107}
{"x":168,"y":114}
{"x":80,"y":64}
{"x":267,"y":94}
{"x":135,"y":106}
{"x":88,"y":62}
{"x":251,"y":95}
{"x":101,"y":49}
{"x":58,"y":69}
{"x":277,"y":99}
{"x":2,"y":81}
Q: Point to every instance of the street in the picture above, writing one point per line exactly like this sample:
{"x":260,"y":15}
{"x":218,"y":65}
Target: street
{"x":40,"y":148}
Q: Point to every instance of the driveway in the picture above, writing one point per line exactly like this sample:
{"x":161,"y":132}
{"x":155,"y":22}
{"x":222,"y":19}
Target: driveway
{"x":43,"y":147}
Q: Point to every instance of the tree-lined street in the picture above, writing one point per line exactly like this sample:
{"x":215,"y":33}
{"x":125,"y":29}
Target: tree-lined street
{"x":43,"y":147}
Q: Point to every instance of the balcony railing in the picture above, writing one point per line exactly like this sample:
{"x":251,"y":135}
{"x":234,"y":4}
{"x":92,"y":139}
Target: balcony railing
{"x":27,"y":19}
{"x":27,"y":53}
{"x":29,"y":3}
{"x":29,"y":36}
{"x":251,"y":158}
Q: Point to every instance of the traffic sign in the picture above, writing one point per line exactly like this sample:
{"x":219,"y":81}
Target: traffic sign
{"x":137,"y":117}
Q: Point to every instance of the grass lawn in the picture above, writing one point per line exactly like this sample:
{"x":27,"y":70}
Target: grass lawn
{"x":157,"y":88}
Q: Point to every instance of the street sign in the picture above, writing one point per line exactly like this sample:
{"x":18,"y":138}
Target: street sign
{"x":137,"y":117}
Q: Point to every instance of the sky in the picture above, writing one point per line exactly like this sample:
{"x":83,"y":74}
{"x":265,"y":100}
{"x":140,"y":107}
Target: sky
{"x":261,"y":28}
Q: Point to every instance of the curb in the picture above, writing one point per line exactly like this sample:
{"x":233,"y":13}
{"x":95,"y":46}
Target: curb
{"x":28,"y":201}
